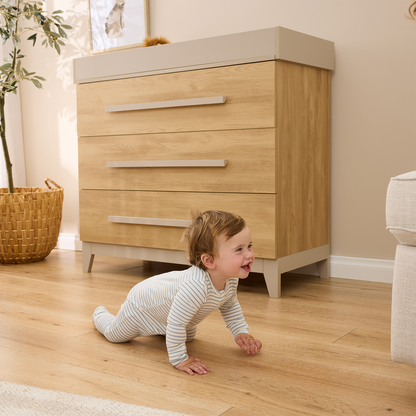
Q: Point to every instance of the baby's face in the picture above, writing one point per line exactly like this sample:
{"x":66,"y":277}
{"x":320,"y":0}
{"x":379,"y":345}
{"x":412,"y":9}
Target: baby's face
{"x":235,"y":256}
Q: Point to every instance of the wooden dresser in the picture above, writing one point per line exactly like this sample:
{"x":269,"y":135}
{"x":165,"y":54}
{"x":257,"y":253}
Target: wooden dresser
{"x":239,"y":123}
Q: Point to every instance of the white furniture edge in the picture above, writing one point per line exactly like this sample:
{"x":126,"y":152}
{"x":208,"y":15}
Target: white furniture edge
{"x":163,"y":222}
{"x":186,"y":102}
{"x":277,"y":43}
{"x":213,"y":163}
{"x":342,"y":267}
{"x":272,"y":269}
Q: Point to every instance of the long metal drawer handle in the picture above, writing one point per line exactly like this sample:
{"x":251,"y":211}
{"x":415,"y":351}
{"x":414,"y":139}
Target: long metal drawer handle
{"x":164,"y":222}
{"x":220,"y":163}
{"x":166,"y":104}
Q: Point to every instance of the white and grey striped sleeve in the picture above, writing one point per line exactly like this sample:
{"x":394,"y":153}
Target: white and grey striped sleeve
{"x":233,"y":316}
{"x":187,"y":302}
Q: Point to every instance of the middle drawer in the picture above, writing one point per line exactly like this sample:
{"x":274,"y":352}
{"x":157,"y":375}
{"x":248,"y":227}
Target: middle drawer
{"x":248,"y":161}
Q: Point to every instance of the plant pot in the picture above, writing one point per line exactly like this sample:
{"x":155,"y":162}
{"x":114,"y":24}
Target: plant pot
{"x":30,"y":222}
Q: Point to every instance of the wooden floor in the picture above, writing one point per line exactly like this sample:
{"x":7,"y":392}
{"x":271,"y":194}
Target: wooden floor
{"x":326,"y":344}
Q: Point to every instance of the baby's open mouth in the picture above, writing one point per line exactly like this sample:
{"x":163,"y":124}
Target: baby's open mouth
{"x":247,"y":267}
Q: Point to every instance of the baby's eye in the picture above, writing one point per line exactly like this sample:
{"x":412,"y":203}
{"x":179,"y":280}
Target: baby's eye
{"x":239,"y":249}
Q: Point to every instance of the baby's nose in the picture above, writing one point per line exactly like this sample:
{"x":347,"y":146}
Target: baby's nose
{"x":249,"y":254}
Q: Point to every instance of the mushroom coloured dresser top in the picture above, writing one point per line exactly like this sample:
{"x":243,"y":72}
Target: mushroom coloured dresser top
{"x":270,"y":44}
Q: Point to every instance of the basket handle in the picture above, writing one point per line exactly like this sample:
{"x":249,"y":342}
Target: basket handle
{"x":47,"y":180}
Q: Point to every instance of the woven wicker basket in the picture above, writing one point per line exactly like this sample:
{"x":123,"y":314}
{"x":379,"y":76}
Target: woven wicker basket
{"x":30,"y":222}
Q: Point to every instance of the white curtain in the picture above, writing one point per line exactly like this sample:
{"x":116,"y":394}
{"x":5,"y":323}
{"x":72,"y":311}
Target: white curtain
{"x":14,"y":136}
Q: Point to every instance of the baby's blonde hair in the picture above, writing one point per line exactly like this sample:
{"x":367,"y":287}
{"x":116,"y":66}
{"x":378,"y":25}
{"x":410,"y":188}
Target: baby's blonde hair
{"x":202,"y":234}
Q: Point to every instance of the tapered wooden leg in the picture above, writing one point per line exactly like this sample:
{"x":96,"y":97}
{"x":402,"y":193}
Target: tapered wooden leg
{"x":272,"y":277}
{"x":87,"y":257}
{"x":324,"y":268}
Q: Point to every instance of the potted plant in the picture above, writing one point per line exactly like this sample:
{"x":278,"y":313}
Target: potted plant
{"x":30,"y":217}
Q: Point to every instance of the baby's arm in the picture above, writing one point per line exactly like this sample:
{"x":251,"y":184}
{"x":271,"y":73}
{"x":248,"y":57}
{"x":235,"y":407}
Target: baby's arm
{"x":186,"y":304}
{"x":234,"y":319}
{"x":190,"y":333}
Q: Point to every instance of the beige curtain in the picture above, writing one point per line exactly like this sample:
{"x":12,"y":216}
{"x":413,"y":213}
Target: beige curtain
{"x":14,"y":136}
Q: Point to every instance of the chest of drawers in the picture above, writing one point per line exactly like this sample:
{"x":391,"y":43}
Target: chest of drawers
{"x":236,"y":128}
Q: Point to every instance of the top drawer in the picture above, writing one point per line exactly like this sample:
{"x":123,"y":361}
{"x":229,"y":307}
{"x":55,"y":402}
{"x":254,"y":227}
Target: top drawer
{"x":249,"y":91}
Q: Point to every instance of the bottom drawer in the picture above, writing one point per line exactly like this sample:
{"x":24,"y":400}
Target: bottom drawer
{"x":97,"y":206}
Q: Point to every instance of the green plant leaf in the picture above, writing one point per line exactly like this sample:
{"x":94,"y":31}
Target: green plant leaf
{"x":54,"y":35}
{"x":62,"y":32}
{"x":36,"y":83}
{"x":16,"y":39}
{"x":33,"y":37}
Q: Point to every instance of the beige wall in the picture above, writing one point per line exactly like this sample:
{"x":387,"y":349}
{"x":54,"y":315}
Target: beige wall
{"x":373,"y":99}
{"x":49,"y":115}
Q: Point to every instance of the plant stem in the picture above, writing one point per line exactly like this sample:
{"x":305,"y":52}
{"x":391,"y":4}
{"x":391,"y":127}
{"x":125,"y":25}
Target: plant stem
{"x":4,"y":143}
{"x":7,"y":160}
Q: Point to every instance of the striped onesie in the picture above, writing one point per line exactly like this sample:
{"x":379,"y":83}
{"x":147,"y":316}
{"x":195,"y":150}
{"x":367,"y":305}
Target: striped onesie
{"x":172,"y":304}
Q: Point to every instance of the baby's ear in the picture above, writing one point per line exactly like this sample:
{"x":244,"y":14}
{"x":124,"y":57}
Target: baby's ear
{"x":208,"y":261}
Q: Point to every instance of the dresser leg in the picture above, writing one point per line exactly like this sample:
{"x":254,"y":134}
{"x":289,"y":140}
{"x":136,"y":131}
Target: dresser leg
{"x":324,"y":268}
{"x":87,"y":257}
{"x":272,"y":277}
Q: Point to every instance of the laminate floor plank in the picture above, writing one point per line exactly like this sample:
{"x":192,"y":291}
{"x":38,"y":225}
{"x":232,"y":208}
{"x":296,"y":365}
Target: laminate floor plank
{"x":326,"y":344}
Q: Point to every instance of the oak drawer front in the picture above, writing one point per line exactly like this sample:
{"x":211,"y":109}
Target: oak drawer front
{"x":100,"y":213}
{"x":221,"y":161}
{"x":248,"y":91}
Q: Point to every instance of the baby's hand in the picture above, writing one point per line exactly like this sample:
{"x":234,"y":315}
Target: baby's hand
{"x":247,"y":341}
{"x":192,"y":365}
